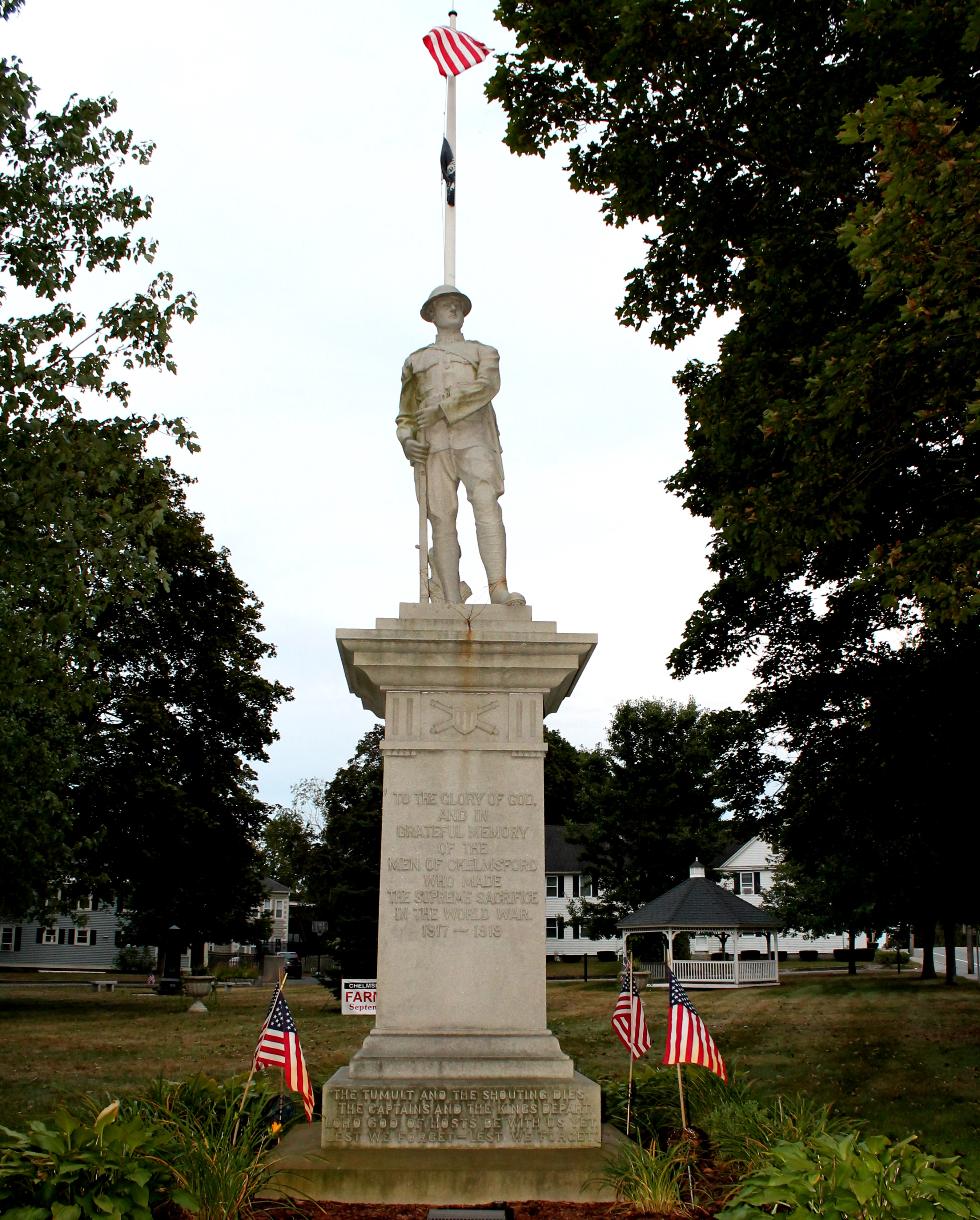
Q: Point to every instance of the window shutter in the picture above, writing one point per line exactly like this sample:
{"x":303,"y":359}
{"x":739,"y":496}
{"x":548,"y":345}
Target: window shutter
{"x":91,"y":936}
{"x":737,"y":879}
{"x":61,"y":935}
{"x":561,"y":885}
{"x":17,"y":935}
{"x":575,"y":885}
{"x":757,"y":878}
{"x":39,"y":936}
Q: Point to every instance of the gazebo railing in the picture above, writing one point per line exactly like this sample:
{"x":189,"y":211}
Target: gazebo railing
{"x":705,"y":971}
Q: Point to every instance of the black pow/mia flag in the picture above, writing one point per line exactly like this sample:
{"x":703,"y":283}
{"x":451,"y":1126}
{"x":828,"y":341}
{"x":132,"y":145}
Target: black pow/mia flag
{"x":447,"y":162}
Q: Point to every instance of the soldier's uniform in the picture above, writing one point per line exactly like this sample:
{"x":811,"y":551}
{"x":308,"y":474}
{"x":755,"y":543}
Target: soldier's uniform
{"x":464,"y":447}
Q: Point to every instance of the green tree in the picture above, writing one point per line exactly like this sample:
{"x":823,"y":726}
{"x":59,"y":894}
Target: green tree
{"x":288,"y":841}
{"x":570,"y":778}
{"x":345,"y":867}
{"x":165,"y":809}
{"x":76,"y":522}
{"x":659,"y":809}
{"x":814,"y":169}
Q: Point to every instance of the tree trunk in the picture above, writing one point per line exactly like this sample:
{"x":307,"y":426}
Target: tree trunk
{"x":851,"y":961}
{"x":925,"y":938}
{"x":949,"y":936}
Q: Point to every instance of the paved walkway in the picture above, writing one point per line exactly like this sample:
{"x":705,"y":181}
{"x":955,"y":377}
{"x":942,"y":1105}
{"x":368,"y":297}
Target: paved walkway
{"x":939,"y":959}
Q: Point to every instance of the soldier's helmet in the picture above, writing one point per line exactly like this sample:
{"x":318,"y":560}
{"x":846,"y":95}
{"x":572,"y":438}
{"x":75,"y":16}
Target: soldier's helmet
{"x":444,"y":290}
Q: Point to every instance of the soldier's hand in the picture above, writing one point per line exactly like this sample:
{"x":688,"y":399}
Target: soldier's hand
{"x":415,"y":451}
{"x":428,"y":415}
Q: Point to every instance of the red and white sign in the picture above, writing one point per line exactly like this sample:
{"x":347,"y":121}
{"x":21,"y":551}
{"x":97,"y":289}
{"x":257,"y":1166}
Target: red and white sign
{"x":358,"y":997}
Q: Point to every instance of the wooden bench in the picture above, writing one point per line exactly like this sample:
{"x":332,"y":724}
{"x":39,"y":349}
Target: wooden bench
{"x":104,"y":985}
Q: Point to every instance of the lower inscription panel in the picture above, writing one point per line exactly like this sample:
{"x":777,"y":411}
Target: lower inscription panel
{"x":465,"y":1114}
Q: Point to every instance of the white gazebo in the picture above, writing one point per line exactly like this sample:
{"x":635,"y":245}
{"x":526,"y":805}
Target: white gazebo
{"x":699,"y":905}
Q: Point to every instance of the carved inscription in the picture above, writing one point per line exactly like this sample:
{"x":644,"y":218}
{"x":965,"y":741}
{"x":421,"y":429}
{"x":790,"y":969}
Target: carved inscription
{"x":505,"y":1115}
{"x":464,"y":869}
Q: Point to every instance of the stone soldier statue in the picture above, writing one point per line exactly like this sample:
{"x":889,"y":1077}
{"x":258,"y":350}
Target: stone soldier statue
{"x":447,"y":427}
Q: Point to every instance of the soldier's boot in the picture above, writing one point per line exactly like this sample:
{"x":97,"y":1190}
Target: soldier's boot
{"x":492,"y":542}
{"x":445,"y":561}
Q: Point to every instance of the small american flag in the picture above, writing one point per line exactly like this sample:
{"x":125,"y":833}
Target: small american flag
{"x":628,"y":1022}
{"x":687,"y":1039}
{"x":279,"y":1048}
{"x":453,"y":50}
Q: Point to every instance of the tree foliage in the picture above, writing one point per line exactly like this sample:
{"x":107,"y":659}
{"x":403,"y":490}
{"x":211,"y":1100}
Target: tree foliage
{"x":131,"y":702}
{"x":813,"y":168}
{"x":164,"y":801}
{"x":344,"y":877}
{"x":659,"y":808}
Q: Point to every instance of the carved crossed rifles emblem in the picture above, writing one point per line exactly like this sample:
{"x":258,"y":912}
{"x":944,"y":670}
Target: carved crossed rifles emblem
{"x":465,"y":720}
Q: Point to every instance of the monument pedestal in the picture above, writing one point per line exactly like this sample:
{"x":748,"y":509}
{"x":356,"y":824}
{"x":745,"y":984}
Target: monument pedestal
{"x":460,"y":1055}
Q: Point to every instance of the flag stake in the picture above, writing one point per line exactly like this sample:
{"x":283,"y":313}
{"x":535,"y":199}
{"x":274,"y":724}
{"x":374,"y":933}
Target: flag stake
{"x":629,"y":1083}
{"x":680,"y":1090}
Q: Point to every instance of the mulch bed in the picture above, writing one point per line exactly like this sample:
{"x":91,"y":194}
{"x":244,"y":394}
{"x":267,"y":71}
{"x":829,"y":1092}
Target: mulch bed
{"x":536,"y":1209}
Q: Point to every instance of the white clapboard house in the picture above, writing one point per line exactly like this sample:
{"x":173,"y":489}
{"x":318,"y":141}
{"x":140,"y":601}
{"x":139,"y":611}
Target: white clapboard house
{"x":564,"y":881}
{"x":748,"y":873}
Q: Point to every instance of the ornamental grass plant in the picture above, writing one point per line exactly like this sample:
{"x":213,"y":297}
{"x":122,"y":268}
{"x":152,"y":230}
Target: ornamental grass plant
{"x":219,"y":1137}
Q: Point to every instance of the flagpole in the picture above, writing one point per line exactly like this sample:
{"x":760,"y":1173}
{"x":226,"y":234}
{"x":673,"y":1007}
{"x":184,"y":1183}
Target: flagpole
{"x":449,"y":227}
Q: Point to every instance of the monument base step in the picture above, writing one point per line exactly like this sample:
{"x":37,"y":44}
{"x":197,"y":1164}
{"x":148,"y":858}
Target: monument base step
{"x":466,"y":1176}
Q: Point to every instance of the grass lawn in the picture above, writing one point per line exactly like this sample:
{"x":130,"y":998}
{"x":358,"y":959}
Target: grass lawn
{"x":899,"y":1054}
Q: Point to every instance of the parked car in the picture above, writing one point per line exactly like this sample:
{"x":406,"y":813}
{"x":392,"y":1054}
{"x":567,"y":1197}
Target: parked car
{"x":292,"y":963}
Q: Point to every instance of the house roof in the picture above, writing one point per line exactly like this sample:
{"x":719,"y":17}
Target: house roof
{"x":560,"y":856}
{"x":754,"y":853}
{"x":698,"y":903}
{"x":271,"y":886}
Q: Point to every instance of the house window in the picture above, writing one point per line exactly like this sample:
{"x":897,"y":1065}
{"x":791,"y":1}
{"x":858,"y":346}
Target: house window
{"x":279,"y":908}
{"x":555,"y":885}
{"x":554,"y":929}
{"x":9,"y":938}
{"x":266,"y":904}
{"x":47,"y":936}
{"x":747,"y":883}
{"x":85,"y":936}
{"x":586,"y":887}
{"x":84,"y":903}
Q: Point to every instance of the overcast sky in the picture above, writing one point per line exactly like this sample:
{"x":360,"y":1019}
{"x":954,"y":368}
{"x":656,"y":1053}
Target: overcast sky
{"x":297,"y":192}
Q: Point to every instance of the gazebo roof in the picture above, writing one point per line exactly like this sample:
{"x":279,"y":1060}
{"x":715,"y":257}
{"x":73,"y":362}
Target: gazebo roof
{"x":698,"y":903}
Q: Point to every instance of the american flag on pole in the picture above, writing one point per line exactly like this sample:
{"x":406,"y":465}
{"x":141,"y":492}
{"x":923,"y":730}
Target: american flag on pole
{"x":687,"y":1039}
{"x":628,"y":1022}
{"x":279,"y":1048}
{"x":453,"y":50}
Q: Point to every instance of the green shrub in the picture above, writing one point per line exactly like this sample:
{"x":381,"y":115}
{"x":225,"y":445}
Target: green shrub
{"x":742,"y":1131}
{"x":223,"y":972}
{"x":134,"y":959}
{"x":844,"y":1176}
{"x":655,"y":1108}
{"x":100,"y":1165}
